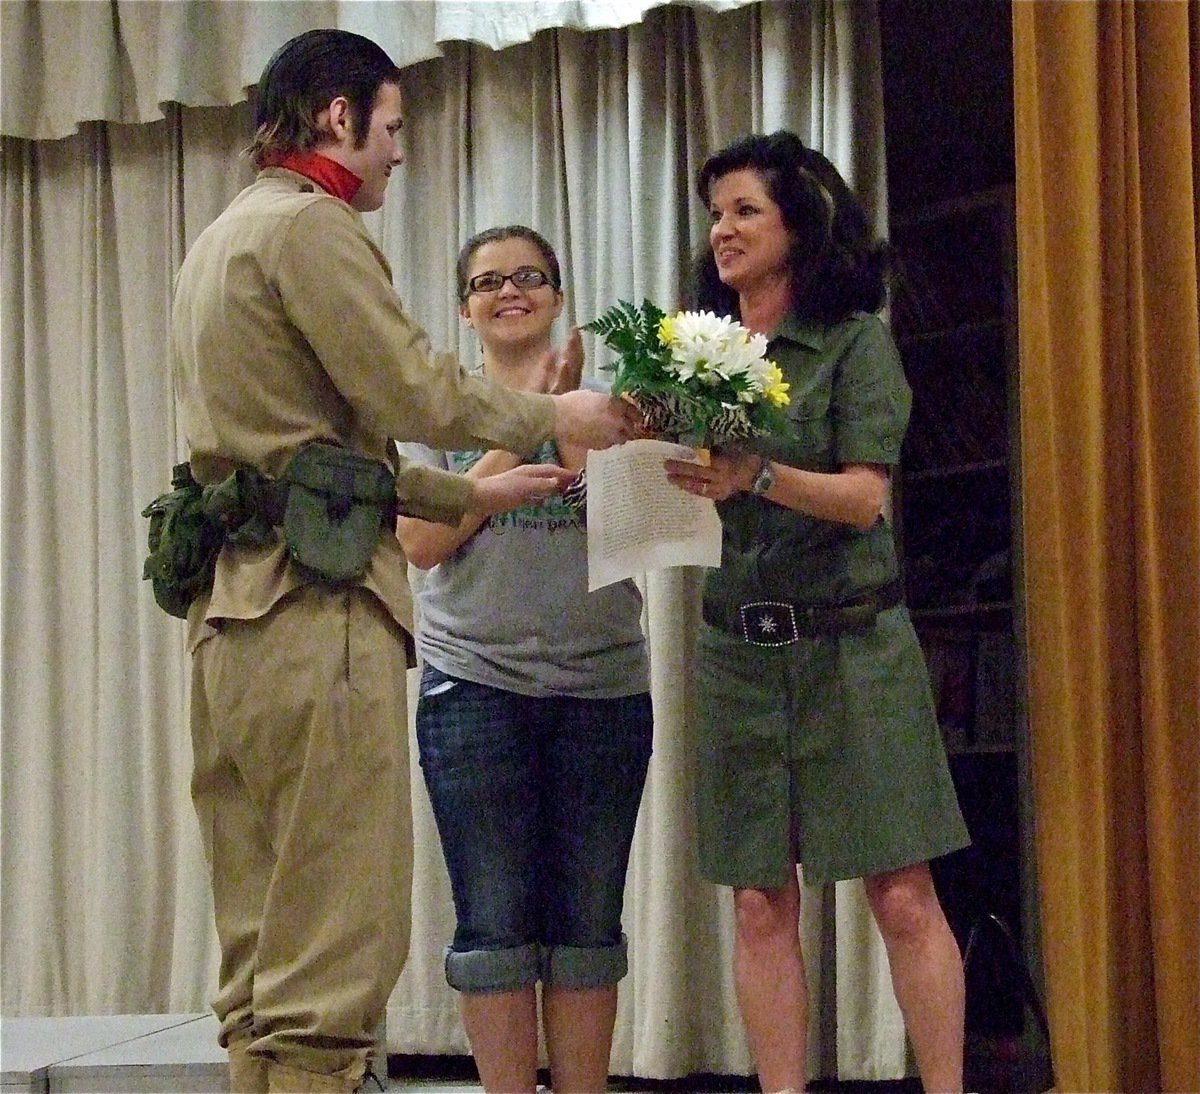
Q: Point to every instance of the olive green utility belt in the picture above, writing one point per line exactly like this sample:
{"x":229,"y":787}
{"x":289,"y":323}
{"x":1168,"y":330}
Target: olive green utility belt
{"x":331,"y":504}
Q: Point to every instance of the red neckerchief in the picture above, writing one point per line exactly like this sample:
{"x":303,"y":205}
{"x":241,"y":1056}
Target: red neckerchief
{"x":326,"y":173}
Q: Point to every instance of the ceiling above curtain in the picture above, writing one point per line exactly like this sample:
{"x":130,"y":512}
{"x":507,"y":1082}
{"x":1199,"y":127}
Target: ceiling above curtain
{"x":75,"y":61}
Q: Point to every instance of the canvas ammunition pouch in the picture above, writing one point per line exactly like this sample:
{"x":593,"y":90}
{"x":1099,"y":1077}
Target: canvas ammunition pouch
{"x":338,"y":504}
{"x":332,"y":505}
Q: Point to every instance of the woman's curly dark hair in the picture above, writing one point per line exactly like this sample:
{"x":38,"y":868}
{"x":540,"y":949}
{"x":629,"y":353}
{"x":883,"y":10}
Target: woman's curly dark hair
{"x":838,"y":265}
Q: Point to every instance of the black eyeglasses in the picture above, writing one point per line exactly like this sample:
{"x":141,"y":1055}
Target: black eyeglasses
{"x":524,"y":277}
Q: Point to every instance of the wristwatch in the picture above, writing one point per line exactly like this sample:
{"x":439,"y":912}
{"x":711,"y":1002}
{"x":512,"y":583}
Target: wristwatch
{"x":763,"y":479}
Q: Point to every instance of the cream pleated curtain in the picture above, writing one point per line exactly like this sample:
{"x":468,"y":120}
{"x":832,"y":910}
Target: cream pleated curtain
{"x":586,"y":120}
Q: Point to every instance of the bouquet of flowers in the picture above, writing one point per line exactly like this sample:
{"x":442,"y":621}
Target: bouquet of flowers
{"x":698,"y":378}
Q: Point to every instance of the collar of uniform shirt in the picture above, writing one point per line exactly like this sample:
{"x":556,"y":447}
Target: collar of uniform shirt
{"x":326,"y":173}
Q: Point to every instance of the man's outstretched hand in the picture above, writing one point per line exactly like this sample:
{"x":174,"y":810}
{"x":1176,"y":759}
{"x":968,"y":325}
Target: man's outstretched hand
{"x":592,"y":419}
{"x":585,"y":419}
{"x":527,"y":484}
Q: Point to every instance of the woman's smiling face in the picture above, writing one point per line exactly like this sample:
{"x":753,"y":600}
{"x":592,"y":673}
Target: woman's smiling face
{"x":750,"y":242}
{"x":510,"y":314}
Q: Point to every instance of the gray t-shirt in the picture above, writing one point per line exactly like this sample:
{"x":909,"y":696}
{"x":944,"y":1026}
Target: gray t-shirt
{"x":511,"y":609}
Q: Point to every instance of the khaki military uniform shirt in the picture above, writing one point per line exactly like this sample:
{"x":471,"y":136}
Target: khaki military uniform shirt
{"x":286,"y":329}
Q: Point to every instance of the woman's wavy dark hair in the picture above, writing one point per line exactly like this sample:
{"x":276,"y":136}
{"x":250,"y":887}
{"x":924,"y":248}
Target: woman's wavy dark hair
{"x":303,"y":77}
{"x":509,"y":231}
{"x":838,"y":266}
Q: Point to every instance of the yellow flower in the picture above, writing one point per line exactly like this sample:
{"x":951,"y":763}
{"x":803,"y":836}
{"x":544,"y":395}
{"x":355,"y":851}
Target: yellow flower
{"x":666,"y":330}
{"x":775,"y":389}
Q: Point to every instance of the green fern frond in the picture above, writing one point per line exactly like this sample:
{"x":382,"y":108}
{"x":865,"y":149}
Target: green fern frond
{"x":627,"y":328}
{"x":621,"y":316}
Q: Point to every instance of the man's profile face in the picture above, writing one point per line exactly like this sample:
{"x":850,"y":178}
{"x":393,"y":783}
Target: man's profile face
{"x":379,"y":152}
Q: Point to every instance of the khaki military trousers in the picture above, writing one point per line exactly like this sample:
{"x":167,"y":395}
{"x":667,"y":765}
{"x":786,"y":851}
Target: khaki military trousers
{"x":301,"y":786}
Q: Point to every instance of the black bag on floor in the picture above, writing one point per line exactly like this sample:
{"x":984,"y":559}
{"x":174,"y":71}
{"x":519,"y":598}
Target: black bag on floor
{"x":997,"y":1061}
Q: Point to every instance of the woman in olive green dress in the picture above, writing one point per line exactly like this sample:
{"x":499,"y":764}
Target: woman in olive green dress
{"x":819,"y":741}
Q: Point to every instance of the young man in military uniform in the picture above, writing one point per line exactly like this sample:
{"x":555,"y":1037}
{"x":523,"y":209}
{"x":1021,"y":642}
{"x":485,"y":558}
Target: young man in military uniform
{"x":286,"y":330}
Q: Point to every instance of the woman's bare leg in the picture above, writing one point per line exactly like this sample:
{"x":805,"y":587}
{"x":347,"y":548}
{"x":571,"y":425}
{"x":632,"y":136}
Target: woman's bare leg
{"x":771,"y":987}
{"x":502,"y":1027}
{"x":927,"y":971}
{"x":579,"y":1030}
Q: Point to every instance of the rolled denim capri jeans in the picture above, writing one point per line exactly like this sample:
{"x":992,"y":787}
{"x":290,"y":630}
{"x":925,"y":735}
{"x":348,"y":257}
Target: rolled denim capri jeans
{"x":535,"y":801}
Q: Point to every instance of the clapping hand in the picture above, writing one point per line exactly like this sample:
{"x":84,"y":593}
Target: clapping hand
{"x":562,"y":370}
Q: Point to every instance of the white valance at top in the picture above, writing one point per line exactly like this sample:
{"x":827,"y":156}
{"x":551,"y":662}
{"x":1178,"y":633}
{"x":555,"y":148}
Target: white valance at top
{"x":74,"y":61}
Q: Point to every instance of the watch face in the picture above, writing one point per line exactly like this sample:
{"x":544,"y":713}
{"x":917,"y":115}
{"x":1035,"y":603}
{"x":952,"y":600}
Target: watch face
{"x":764,"y":480}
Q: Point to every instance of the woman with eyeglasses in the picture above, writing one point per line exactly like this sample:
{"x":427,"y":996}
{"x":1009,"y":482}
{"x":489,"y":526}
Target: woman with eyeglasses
{"x":534,"y":721}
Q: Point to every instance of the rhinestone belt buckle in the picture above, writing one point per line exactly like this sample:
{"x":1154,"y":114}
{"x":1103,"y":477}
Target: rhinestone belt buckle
{"x":768,"y":623}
